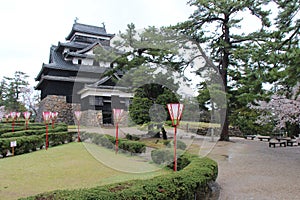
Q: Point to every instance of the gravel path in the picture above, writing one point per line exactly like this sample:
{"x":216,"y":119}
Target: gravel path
{"x":249,"y":169}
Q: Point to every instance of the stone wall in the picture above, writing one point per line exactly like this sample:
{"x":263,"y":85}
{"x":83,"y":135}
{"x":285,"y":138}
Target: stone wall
{"x":233,"y":131}
{"x":92,"y":118}
{"x":58,"y":104}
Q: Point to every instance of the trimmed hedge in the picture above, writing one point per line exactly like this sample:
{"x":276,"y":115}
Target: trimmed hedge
{"x":166,"y":156}
{"x":132,"y":146}
{"x":132,"y":137}
{"x":39,"y":131}
{"x":20,"y":130}
{"x":25,"y":144}
{"x":190,"y":182}
{"x":109,"y":142}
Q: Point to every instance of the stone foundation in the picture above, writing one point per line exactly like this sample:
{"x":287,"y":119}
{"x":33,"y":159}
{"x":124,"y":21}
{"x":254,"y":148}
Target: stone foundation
{"x":58,"y":104}
{"x":92,"y":118}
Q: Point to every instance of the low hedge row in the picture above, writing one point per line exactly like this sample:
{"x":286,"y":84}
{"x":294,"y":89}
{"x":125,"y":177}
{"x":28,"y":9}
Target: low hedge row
{"x":25,"y":144}
{"x":109,"y":142}
{"x":35,"y":126}
{"x":37,"y":131}
{"x":189,"y":183}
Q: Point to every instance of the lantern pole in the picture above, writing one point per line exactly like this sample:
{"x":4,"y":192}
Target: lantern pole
{"x":117,"y":137}
{"x":78,"y":116}
{"x":175,"y":111}
{"x":175,"y":146}
{"x":13,"y":116}
{"x":46,"y":116}
{"x":78,"y":135}
{"x":117,"y":118}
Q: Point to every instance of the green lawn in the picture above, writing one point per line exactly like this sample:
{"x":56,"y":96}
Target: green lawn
{"x":69,"y":166}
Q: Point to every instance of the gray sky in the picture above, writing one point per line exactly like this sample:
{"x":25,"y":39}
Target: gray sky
{"x":30,"y":27}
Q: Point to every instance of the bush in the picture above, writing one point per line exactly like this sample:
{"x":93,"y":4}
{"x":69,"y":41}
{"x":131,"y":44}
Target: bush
{"x":190,"y":182}
{"x":109,"y":142}
{"x":166,"y":142}
{"x":112,"y":139}
{"x":180,"y":145}
{"x":161,"y":156}
{"x":182,"y":162}
{"x":26,"y":144}
{"x":132,"y":146}
{"x":168,"y":123}
{"x":37,"y":130}
{"x":4,"y":146}
{"x":132,"y":137}
{"x":58,"y":138}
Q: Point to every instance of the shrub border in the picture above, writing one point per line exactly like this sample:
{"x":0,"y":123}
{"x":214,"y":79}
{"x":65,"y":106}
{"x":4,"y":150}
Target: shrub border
{"x":190,"y":182}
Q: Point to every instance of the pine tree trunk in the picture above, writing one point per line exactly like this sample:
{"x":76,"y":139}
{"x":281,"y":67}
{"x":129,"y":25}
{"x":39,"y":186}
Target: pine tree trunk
{"x":225,"y":128}
{"x":224,"y":72}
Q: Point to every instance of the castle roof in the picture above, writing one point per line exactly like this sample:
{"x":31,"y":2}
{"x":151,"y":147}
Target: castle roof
{"x":59,"y":63}
{"x":88,"y":29}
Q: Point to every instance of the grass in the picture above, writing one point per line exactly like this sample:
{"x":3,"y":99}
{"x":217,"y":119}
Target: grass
{"x":199,"y":124}
{"x":69,"y":166}
{"x":156,"y":143}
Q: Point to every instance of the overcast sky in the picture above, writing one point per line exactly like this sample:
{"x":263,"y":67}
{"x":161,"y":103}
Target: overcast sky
{"x":30,"y":27}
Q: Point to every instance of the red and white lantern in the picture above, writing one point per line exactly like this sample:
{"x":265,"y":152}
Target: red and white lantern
{"x":175,"y":111}
{"x":46,"y":116}
{"x":13,"y":115}
{"x":77,"y":115}
{"x":7,"y":117}
{"x":26,"y":117}
{"x":53,"y":117}
{"x":18,"y":114}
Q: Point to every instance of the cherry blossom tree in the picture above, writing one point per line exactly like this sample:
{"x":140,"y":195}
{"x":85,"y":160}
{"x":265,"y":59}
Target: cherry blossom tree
{"x":283,"y":111}
{"x":2,"y":112}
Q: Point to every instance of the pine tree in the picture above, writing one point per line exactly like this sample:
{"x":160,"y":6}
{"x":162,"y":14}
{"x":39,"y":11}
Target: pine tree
{"x":215,"y":24}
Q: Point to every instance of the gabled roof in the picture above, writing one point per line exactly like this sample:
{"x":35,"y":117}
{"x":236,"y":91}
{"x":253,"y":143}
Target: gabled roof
{"x":92,"y":46}
{"x":104,"y":79}
{"x":88,"y":29}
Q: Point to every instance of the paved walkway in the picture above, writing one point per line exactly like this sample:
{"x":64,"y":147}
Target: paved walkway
{"x":251,"y":170}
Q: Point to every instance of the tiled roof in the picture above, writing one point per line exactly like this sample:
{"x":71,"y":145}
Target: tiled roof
{"x":86,"y":49}
{"x":88,"y":29}
{"x":59,"y":63}
{"x":87,"y":80}
{"x":72,"y":44}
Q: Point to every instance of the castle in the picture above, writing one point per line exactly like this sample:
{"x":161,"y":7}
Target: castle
{"x":75,"y":80}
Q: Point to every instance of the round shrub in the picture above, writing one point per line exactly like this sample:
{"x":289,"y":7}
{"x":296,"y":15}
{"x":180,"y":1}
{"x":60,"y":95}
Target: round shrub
{"x":180,"y":145}
{"x":160,"y":156}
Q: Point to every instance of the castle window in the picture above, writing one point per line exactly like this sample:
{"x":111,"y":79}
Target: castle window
{"x":96,"y":63}
{"x":79,"y":61}
{"x":96,"y":101}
